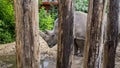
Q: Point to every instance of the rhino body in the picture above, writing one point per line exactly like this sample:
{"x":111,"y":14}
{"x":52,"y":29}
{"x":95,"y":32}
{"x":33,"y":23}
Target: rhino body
{"x":79,"y":32}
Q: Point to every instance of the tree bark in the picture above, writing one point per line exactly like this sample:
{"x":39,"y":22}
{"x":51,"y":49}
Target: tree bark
{"x":92,"y":57}
{"x":27,"y":36}
{"x":65,"y":34}
{"x":112,"y":34}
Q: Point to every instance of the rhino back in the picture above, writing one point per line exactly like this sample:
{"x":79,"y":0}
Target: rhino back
{"x":79,"y":29}
{"x":79,"y":26}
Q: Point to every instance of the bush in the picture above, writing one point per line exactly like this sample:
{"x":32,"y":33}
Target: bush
{"x":7,"y":31}
{"x":81,"y":5}
{"x":45,"y":20}
{"x":6,"y":11}
{"x":53,"y":12}
{"x":5,"y":34}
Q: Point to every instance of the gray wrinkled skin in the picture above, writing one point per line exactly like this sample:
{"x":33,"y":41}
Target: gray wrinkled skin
{"x":79,"y":30}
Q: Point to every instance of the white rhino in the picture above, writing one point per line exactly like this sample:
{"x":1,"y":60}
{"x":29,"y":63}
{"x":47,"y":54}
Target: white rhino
{"x":79,"y":31}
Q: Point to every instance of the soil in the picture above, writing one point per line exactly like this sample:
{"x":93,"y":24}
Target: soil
{"x":47,"y":54}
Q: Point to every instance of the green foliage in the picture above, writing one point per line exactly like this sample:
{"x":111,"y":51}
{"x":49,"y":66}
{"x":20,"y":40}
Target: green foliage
{"x":7,"y":33}
{"x":6,"y":11}
{"x":45,"y":19}
{"x":53,"y":12}
{"x":81,"y":5}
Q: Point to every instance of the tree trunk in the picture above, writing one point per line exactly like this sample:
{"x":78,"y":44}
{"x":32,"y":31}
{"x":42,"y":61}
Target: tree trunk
{"x":112,"y":34}
{"x":27,"y":36}
{"x":94,"y":35}
{"x":65,"y":34}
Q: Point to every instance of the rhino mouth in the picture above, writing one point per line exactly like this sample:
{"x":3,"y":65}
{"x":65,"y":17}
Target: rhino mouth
{"x":51,"y":46}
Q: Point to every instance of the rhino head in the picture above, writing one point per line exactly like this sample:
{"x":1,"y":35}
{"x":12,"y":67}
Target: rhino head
{"x":50,"y":37}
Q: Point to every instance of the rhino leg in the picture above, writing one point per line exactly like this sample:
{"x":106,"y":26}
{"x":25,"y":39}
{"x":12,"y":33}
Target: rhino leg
{"x":79,"y":47}
{"x":75,"y":48}
{"x":118,"y":37}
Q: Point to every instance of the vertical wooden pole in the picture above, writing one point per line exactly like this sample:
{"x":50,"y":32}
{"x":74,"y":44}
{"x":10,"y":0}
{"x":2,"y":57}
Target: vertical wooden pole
{"x":27,"y":36}
{"x":94,"y":33}
{"x":65,"y":34}
{"x":112,"y":34}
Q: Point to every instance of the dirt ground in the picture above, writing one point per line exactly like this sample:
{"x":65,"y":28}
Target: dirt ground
{"x":49,"y":54}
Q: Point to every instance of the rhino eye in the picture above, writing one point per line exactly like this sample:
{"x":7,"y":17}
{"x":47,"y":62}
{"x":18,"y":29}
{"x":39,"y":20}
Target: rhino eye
{"x":52,"y":36}
{"x":45,"y":32}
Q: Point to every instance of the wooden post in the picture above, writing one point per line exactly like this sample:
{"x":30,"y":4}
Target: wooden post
{"x":65,"y":34}
{"x":112,"y":34}
{"x":94,"y":32}
{"x":27,"y":36}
